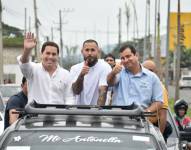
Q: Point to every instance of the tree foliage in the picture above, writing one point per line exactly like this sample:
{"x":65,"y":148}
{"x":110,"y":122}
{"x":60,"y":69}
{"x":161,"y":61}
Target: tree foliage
{"x":185,"y":58}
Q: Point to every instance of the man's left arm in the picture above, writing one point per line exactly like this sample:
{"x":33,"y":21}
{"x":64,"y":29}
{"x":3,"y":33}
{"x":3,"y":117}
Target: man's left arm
{"x":157,"y":96}
{"x":102,"y":95}
{"x":163,"y":119}
{"x":155,"y":106}
{"x":103,"y":86}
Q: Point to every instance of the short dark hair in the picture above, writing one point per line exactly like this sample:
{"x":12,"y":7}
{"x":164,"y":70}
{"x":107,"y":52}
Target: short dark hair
{"x":49,"y":43}
{"x":24,"y":80}
{"x":90,"y":41}
{"x":132,"y":48}
{"x":109,"y":55}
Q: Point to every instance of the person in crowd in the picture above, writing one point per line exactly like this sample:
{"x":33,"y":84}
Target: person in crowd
{"x":48,"y":83}
{"x":110,"y":59}
{"x":17,"y":101}
{"x":161,"y":120}
{"x":89,"y":82}
{"x":180,"y":109}
{"x":133,"y":83}
{"x":182,"y":121}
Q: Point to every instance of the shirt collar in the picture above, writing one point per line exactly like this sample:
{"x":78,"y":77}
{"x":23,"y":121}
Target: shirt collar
{"x":57,"y":68}
{"x":143,"y":71}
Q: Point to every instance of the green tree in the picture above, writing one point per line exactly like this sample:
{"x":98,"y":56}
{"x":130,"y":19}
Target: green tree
{"x":185,"y":58}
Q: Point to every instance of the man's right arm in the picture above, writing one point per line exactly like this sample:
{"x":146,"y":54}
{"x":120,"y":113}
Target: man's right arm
{"x":77,"y":86}
{"x":111,"y":78}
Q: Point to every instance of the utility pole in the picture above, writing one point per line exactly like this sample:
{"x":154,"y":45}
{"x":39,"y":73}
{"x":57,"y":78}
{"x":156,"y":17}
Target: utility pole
{"x":135,"y":22}
{"x":29,"y":23}
{"x":155,"y":33}
{"x":167,"y":47}
{"x":52,"y":34}
{"x":145,"y":54}
{"x":37,"y":48}
{"x":127,"y":12}
{"x":158,"y":64}
{"x":66,"y":10}
{"x":178,"y":53}
{"x":61,"y":41}
{"x":119,"y":32}
{"x":149,"y":30}
{"x":1,"y":46}
{"x":25,"y":24}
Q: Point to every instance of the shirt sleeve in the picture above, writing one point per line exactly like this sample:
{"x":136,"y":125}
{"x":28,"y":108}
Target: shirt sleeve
{"x":13,"y":103}
{"x":74,"y":73}
{"x":69,"y":96}
{"x":26,"y":68}
{"x":157,"y":90}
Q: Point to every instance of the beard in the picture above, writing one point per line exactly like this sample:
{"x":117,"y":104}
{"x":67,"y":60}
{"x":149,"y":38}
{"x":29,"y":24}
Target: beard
{"x":91,"y":60}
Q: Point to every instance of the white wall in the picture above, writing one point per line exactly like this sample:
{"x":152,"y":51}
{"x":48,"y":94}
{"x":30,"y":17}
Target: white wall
{"x":13,"y":69}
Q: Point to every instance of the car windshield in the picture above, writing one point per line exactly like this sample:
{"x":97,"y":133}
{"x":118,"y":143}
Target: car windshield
{"x":77,"y":140}
{"x":8,"y":91}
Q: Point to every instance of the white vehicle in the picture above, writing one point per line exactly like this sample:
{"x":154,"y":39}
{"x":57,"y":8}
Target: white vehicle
{"x":2,"y":108}
{"x":8,"y":90}
{"x":1,"y":123}
{"x":185,"y":82}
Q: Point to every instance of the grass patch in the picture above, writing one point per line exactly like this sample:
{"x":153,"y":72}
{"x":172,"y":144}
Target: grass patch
{"x":171,"y":106}
{"x":13,"y":42}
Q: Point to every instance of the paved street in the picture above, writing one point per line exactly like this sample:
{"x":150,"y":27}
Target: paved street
{"x":184,"y":93}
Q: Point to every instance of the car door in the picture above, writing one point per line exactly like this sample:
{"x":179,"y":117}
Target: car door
{"x":173,"y":140}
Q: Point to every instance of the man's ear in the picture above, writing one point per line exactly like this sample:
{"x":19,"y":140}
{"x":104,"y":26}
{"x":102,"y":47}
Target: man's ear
{"x":41,"y":56}
{"x":99,"y":50}
{"x":99,"y":53}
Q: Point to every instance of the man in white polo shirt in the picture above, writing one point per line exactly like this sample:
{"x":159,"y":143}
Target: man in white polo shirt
{"x":89,"y":78}
{"x":47,"y":81}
